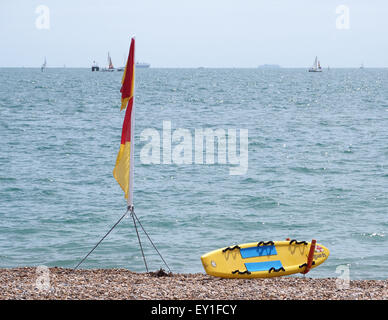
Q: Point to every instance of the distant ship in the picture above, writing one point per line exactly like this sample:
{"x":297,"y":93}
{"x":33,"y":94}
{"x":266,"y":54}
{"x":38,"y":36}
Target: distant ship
{"x":142,"y":65}
{"x":110,"y":66}
{"x":43,"y":65}
{"x":316,"y":66}
{"x":138,"y":65}
{"x":362,"y":66}
{"x":95,"y":66}
{"x":269,"y":66}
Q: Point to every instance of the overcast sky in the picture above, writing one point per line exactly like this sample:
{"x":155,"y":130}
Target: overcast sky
{"x":183,"y":33}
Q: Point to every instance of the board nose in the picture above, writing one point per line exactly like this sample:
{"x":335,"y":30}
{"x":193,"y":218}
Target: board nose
{"x":208,"y":262}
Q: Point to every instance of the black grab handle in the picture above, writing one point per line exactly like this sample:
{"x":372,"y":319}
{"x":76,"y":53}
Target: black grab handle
{"x":298,"y":242}
{"x":241,"y":272}
{"x":231,"y":248}
{"x":268,"y":243}
{"x":276,"y":270}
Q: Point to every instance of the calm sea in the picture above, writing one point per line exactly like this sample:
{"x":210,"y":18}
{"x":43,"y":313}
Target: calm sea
{"x":318,"y":167}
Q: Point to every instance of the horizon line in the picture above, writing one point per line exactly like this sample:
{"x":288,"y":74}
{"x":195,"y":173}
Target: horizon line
{"x":202,"y":67}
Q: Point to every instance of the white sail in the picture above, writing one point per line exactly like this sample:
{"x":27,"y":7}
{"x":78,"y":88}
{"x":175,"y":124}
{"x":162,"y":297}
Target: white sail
{"x":315,"y":65}
{"x":44,"y":64}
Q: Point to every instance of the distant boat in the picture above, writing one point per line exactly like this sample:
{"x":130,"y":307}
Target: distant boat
{"x":95,"y":66}
{"x":142,"y":65}
{"x":110,"y":66}
{"x":269,"y":66}
{"x":316,"y":66}
{"x":122,"y":68}
{"x":43,"y":65}
{"x":362,"y":66}
{"x":137,"y":65}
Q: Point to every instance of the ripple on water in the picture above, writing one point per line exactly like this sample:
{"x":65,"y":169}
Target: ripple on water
{"x":317,"y":154}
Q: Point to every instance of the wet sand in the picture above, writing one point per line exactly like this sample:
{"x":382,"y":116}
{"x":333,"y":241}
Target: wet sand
{"x":118,"y":284}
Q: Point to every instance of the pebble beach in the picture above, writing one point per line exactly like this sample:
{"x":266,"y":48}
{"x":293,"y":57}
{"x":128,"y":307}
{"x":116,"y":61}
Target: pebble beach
{"x":121,"y":284}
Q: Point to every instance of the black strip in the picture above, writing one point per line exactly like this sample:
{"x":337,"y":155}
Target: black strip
{"x":241,"y":272}
{"x":268,"y":243}
{"x":305,"y":265}
{"x":276,"y":270}
{"x":231,"y":248}
{"x":298,"y":242}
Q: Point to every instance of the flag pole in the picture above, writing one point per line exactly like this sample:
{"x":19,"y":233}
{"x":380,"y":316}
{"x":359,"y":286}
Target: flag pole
{"x":130,"y":205}
{"x":132,"y":151}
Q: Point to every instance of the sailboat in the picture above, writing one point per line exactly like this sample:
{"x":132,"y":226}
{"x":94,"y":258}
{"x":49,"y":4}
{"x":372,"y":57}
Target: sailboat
{"x":110,"y":67}
{"x":122,"y":68}
{"x":43,"y":65}
{"x":316,"y":66}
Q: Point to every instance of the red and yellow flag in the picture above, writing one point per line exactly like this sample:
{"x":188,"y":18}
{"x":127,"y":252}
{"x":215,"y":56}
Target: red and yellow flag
{"x":121,"y":172}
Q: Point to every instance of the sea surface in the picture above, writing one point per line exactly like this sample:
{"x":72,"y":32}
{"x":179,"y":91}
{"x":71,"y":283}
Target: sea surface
{"x":318,"y":167}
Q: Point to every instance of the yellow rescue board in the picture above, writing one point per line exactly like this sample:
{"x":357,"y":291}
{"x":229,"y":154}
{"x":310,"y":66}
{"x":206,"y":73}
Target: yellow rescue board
{"x":263,"y":259}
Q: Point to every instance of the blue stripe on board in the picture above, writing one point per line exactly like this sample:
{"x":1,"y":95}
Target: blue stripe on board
{"x":258,"y":251}
{"x":263,"y":266}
